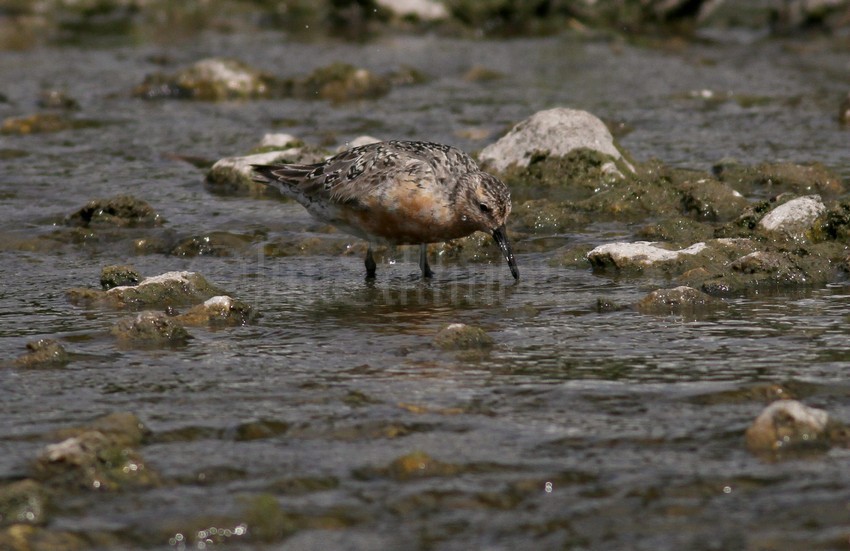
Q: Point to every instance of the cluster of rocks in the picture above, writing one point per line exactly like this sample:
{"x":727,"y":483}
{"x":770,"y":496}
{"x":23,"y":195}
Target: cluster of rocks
{"x":100,"y":456}
{"x":216,"y":79}
{"x":157,"y":321}
{"x":453,"y":17}
{"x":735,"y":230}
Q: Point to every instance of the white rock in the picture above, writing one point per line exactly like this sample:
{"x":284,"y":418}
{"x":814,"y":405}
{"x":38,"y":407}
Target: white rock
{"x":426,"y":10}
{"x":233,"y":74}
{"x":220,"y":301}
{"x":357,"y":142}
{"x":556,"y":131}
{"x":639,"y":252}
{"x":181,"y":277}
{"x":278,"y":140}
{"x":795,"y":216}
{"x":243,"y":164}
{"x":785,"y":423}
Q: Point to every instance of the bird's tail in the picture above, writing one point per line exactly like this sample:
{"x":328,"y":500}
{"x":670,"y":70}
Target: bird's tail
{"x":282,"y":177}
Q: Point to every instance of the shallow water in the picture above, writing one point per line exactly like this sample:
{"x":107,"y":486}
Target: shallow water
{"x":580,"y":429}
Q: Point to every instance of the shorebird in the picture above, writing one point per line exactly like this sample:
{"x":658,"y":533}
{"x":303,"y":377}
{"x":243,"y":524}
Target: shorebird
{"x":399,"y":193}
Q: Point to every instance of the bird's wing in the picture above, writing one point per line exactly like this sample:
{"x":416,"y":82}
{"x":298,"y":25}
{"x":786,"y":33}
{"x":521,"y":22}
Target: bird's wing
{"x":348,"y":177}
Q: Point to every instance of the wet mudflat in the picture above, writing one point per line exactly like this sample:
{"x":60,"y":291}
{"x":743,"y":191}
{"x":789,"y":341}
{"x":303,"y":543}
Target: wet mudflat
{"x":334,"y":419}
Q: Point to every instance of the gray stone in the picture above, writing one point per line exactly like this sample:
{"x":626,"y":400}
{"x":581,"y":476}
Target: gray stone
{"x":554,"y":132}
{"x":646,"y":253}
{"x":794,"y":218}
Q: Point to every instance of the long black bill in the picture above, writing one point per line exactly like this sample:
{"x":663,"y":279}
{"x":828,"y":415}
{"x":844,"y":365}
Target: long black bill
{"x":502,"y":239}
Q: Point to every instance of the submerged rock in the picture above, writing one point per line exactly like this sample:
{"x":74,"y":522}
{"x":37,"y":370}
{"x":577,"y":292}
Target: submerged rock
{"x":168,"y":289}
{"x":118,"y":276}
{"x":23,"y":502}
{"x":408,"y":467}
{"x":219,"y":310}
{"x":212,"y":79}
{"x":679,"y":300}
{"x":26,"y":537}
{"x":57,"y":99}
{"x":794,"y":219}
{"x":340,"y":82}
{"x":459,"y":336}
{"x":119,"y":211}
{"x":121,"y":427}
{"x":98,"y":456}
{"x":92,"y":461}
{"x":150,"y":329}
{"x":43,"y":353}
{"x":788,"y":425}
{"x":41,"y":123}
{"x":213,"y":244}
{"x":556,"y":133}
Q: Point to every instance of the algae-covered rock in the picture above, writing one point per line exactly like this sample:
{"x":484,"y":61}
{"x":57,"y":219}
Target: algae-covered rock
{"x":37,"y":123}
{"x":709,"y":199}
{"x":212,"y":79}
{"x":120,"y":211}
{"x":43,"y":353}
{"x":679,"y":300}
{"x":411,"y":466}
{"x":26,"y":537}
{"x":219,"y":310}
{"x":121,"y":427}
{"x":677,"y":229}
{"x":92,"y":461}
{"x":150,"y":329}
{"x":545,"y":216}
{"x":554,"y":132}
{"x":770,"y":269}
{"x":267,"y":521}
{"x":340,"y":82}
{"x":99,"y":455}
{"x":794,"y":219}
{"x":23,"y":502}
{"x":788,"y":425}
{"x":218,"y":243}
{"x":168,"y":289}
{"x":118,"y":276}
{"x":769,"y":179}
{"x":258,"y":430}
{"x":478,"y":247}
{"x":834,"y":224}
{"x":576,"y":175}
{"x":459,"y":336}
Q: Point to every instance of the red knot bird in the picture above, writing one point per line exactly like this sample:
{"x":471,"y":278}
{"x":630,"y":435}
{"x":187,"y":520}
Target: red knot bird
{"x":399,"y":193}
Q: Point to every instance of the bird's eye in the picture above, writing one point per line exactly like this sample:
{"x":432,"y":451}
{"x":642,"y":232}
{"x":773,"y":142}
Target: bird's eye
{"x":484,"y":208}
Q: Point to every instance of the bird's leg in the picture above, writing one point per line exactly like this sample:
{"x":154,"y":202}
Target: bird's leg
{"x":423,"y":261}
{"x":370,"y":263}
